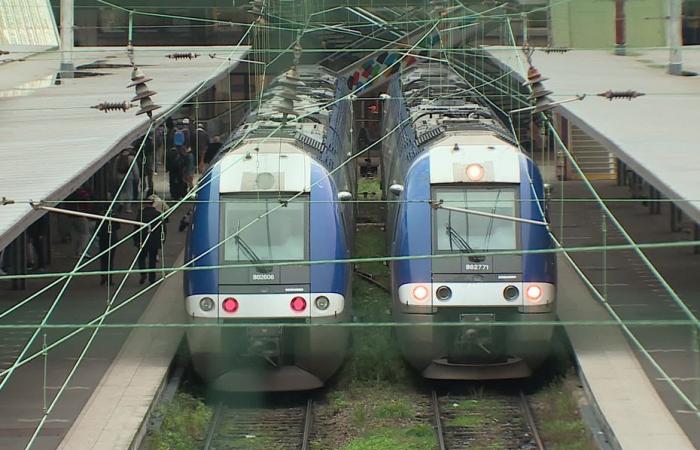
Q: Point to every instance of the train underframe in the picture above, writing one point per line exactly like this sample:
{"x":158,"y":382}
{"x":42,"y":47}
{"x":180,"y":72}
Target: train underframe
{"x":470,"y":348}
{"x":267,"y":358}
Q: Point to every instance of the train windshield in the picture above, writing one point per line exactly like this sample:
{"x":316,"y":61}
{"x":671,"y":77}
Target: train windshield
{"x":258,"y":229}
{"x":461,"y":232}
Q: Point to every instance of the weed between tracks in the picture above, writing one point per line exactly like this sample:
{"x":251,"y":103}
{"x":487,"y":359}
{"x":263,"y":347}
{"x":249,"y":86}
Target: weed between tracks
{"x":372,"y":405}
{"x":184,"y":427}
{"x":558,"y":417}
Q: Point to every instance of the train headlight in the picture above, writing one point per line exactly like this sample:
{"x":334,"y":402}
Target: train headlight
{"x":420,"y":293}
{"x":443,"y":293}
{"x":206,"y":304}
{"x":533,"y":293}
{"x":322,"y":303}
{"x":475,"y":172}
{"x":510,"y":293}
{"x":298,"y":304}
{"x":230,"y":305}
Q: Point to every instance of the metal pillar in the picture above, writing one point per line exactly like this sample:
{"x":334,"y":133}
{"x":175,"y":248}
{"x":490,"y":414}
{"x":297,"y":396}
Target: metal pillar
{"x":620,"y":172}
{"x":620,"y":27}
{"x":675,"y":37}
{"x":656,"y":209}
{"x":676,"y":215}
{"x":16,"y":260}
{"x":67,"y":23}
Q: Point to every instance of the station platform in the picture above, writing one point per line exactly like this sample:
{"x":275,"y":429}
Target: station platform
{"x":654,"y":135}
{"x":47,"y":117}
{"x":35,"y":385}
{"x":116,"y":415}
{"x":636,"y":400}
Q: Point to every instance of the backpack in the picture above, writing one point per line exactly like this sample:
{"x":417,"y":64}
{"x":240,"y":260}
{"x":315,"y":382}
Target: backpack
{"x":179,"y":137}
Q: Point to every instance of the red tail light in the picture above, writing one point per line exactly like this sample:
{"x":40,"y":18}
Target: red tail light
{"x":298,"y":304}
{"x":230,"y":305}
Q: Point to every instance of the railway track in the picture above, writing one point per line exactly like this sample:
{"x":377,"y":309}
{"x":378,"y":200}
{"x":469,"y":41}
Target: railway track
{"x":262,"y":428}
{"x":488,"y":421}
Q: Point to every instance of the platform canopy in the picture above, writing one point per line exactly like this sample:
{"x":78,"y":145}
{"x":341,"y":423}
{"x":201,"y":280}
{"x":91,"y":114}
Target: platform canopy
{"x":656,"y":135}
{"x":52,"y":141}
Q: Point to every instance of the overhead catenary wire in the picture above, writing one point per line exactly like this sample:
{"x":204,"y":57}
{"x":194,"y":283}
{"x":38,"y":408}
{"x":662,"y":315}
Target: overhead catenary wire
{"x":190,"y":201}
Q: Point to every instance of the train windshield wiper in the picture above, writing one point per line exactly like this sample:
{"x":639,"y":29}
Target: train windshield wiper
{"x":456,"y":237}
{"x":247,"y":249}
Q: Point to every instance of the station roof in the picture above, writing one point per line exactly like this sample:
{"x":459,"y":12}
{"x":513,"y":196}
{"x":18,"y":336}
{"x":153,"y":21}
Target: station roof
{"x":52,"y":141}
{"x":655,"y":135}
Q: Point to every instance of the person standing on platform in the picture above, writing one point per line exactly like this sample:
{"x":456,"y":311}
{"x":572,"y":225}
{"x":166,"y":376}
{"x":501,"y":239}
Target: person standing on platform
{"x":188,"y":167}
{"x":213,"y":149}
{"x":108,"y":236}
{"x":82,"y":227}
{"x":129,"y":192}
{"x":150,"y":240}
{"x":175,"y":166}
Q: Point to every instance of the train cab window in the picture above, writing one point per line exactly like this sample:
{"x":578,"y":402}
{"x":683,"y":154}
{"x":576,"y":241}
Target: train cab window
{"x":278,"y":236}
{"x":460,"y":231}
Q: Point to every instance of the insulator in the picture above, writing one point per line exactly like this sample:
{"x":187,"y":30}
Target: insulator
{"x":438,"y":8}
{"x":112,"y":106}
{"x":534,"y":76}
{"x":613,"y":95}
{"x":147,"y":106}
{"x":130,"y":53}
{"x":297,"y":53}
{"x":143,"y":94}
{"x":539,"y":91}
{"x":555,"y":50}
{"x":286,"y":107}
{"x":182,"y":55}
{"x":137,"y":77}
{"x":542,"y":105}
{"x":256,"y":7}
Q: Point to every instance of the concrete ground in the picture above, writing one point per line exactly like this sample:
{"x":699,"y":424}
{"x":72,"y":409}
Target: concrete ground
{"x":34,"y":386}
{"x":631,"y":288}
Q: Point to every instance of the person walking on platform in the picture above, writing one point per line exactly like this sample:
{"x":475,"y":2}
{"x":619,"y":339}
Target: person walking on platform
{"x":201,"y":143}
{"x":149,"y":239}
{"x":108,"y":236}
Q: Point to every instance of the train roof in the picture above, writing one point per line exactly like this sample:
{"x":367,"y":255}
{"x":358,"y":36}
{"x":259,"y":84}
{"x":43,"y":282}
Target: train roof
{"x":316,"y":87}
{"x":440,"y":102}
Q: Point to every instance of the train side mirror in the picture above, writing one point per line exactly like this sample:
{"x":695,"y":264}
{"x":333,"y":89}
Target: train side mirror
{"x":396,"y":189}
{"x":548,"y":190}
{"x":344,"y":196}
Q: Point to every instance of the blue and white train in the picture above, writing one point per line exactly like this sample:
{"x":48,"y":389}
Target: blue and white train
{"x":244,"y":220}
{"x":468,"y":196}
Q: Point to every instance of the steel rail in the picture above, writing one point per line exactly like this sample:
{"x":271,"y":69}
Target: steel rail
{"x":308,"y":421}
{"x":211,"y":432}
{"x":530,"y":418}
{"x":370,"y":279}
{"x":438,"y":421}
